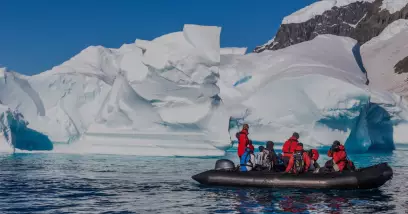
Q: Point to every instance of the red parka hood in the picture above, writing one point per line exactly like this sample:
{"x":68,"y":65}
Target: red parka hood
{"x":293,"y":138}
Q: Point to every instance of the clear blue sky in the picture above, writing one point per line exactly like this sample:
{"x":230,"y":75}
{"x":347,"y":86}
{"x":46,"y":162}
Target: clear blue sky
{"x":36,"y":35}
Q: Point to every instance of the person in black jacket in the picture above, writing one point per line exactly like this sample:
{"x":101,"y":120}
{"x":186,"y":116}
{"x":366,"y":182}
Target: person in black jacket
{"x":273,"y":157}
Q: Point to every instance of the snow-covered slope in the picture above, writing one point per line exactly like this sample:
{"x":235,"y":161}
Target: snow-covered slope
{"x":381,"y":57}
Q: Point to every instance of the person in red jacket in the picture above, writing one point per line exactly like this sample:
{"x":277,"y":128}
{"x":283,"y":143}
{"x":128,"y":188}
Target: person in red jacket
{"x":289,"y":147}
{"x":299,"y":162}
{"x":243,"y":140}
{"x":314,"y":156}
{"x":339,"y":160}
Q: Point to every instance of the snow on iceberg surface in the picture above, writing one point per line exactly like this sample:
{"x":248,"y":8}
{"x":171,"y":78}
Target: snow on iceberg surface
{"x":233,"y":51}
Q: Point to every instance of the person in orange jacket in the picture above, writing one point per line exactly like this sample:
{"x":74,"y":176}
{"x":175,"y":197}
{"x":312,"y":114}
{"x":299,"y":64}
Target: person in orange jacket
{"x":289,"y":147}
{"x":339,"y":157}
{"x":299,"y":162}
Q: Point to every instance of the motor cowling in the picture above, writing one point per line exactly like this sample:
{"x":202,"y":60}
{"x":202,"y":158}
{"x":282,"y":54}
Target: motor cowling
{"x":224,"y":165}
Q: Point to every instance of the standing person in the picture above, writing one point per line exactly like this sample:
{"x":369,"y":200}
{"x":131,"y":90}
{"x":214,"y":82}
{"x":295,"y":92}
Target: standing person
{"x":289,"y":147}
{"x":299,"y":162}
{"x":243,"y":140}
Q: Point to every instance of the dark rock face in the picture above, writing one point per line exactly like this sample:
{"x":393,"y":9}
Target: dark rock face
{"x":360,"y":20}
{"x":402,"y":66}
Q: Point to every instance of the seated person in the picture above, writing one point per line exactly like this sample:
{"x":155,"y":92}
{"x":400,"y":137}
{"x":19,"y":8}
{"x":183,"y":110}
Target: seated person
{"x":247,"y":161}
{"x":314,"y":156}
{"x":277,"y":160}
{"x":262,"y":161}
{"x":299,"y":161}
{"x":289,"y":147}
{"x":339,"y":161}
{"x":272,"y":154}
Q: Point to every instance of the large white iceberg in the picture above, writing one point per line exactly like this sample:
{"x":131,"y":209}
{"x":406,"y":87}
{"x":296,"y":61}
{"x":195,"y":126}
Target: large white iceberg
{"x":183,"y":95}
{"x":158,"y":95}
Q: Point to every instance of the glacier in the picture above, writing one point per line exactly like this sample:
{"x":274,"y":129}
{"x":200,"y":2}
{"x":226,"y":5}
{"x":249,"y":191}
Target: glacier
{"x":182,"y":94}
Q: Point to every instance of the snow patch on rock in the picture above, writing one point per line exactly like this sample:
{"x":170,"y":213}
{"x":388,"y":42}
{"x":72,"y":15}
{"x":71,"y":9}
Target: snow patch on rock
{"x":317,"y":8}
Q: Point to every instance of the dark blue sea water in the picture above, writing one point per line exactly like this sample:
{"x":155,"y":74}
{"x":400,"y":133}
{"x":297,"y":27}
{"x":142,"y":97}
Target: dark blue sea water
{"x":57,"y":183}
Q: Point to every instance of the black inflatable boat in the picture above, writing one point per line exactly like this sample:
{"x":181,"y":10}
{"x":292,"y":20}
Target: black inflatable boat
{"x":363,"y":178}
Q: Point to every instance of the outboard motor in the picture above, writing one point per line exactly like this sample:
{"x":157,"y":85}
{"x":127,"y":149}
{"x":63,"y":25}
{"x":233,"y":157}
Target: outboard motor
{"x":224,"y":165}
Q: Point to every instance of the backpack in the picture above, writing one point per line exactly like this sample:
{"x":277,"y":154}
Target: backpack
{"x":237,"y":135}
{"x":265,"y":160}
{"x":298,"y":162}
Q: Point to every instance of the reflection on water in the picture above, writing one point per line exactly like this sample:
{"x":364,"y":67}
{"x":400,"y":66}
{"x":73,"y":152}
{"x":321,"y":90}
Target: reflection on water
{"x":54,"y":183}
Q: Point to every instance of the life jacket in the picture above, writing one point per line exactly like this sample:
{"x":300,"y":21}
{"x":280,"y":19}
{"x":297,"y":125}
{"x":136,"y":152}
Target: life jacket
{"x":289,"y":146}
{"x":238,"y":134}
{"x":246,"y":160}
{"x":298,"y":162}
{"x":243,"y":141}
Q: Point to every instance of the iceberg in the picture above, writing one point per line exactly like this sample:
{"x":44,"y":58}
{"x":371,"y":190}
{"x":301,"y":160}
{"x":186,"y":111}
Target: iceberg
{"x":181,"y":94}
{"x":161,"y":92}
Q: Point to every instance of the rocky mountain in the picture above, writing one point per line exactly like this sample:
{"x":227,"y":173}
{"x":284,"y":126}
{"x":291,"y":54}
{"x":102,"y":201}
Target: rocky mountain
{"x":402,"y":66}
{"x":379,"y":26}
{"x":361,"y":20}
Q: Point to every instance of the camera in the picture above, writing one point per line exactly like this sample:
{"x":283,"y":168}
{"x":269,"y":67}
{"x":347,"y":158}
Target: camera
{"x":334,"y":148}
